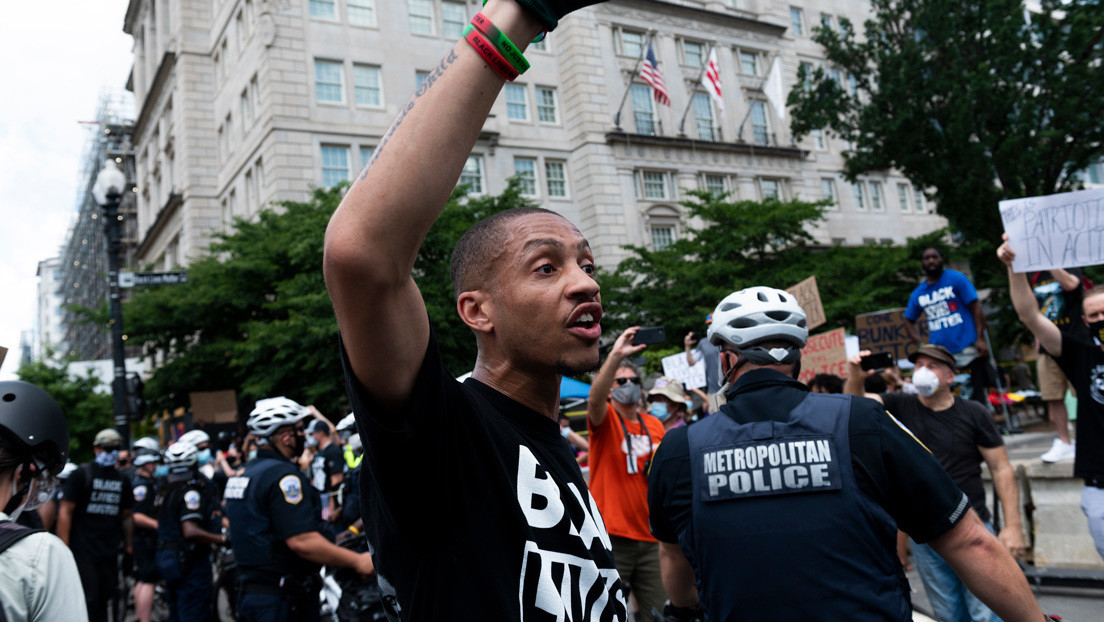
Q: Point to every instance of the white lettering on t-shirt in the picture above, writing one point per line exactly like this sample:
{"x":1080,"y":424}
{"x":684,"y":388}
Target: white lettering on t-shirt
{"x":559,"y":582}
{"x":1096,"y":383}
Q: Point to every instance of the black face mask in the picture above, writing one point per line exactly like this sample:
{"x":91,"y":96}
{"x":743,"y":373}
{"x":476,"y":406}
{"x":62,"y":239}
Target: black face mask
{"x":300,"y":444}
{"x":1097,"y":329}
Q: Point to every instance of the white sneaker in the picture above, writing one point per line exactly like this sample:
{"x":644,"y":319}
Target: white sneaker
{"x":1060,"y":451}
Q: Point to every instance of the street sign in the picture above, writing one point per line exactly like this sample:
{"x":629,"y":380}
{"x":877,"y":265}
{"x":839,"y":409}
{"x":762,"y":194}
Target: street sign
{"x":143,"y":279}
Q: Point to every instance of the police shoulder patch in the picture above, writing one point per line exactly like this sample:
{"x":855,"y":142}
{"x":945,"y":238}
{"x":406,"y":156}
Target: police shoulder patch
{"x":292,"y":488}
{"x":191,"y":499}
{"x":140,"y":492}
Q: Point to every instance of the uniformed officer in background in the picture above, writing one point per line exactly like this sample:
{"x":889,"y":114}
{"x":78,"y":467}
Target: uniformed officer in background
{"x":275,"y":522}
{"x":147,"y":457}
{"x":785,"y":505}
{"x":93,"y":518}
{"x":187,"y":526}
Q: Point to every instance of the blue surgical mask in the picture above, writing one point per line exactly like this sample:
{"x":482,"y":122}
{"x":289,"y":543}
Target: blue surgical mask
{"x":161,"y":471}
{"x":565,"y":430}
{"x":204,"y":456}
{"x":252,"y":453}
{"x":659,"y":411}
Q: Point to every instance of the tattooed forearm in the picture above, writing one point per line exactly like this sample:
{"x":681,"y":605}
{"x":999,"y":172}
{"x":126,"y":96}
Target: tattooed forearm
{"x":449,"y":59}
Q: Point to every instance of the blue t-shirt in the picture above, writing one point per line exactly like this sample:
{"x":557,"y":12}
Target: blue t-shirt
{"x":945,"y":304}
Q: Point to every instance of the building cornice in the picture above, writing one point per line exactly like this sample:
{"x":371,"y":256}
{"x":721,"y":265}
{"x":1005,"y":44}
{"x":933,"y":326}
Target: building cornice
{"x":155,"y":230}
{"x":168,"y":62}
{"x":741,"y":20}
{"x":620,"y":137}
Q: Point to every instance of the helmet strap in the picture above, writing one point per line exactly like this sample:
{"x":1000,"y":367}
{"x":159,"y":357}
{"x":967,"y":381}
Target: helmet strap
{"x":21,"y":485}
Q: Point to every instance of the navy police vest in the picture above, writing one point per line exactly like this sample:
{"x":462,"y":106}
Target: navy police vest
{"x":779,"y":529}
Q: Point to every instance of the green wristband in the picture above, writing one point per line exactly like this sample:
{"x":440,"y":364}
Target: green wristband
{"x":502,"y":42}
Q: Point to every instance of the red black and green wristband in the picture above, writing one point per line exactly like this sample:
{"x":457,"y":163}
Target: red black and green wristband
{"x":490,"y":53}
{"x":502,"y":42}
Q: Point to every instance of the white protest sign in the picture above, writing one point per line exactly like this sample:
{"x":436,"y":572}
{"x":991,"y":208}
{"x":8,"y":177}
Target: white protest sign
{"x":1056,"y":231}
{"x":675,"y":366}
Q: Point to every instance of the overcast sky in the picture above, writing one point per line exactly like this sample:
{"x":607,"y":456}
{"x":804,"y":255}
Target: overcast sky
{"x":59,"y":56}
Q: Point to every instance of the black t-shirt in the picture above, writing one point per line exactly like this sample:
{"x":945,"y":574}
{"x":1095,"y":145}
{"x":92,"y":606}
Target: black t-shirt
{"x":953,"y":436}
{"x":327,"y":462}
{"x":1083,"y":364}
{"x":475,"y":508}
{"x":144,"y":492}
{"x":890,"y":467}
{"x":101,"y":495}
{"x":1059,"y":306}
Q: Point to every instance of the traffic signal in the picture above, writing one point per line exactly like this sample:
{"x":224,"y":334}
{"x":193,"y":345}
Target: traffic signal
{"x":136,"y":398}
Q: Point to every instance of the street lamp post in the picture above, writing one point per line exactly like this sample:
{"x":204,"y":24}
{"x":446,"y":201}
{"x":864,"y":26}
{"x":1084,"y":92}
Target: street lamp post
{"x":108,"y":192}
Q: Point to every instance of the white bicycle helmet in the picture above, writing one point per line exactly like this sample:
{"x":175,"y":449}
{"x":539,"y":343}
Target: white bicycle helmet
{"x":751,"y":316}
{"x":181,"y":456}
{"x":195,"y":437}
{"x":273,"y":413}
{"x":348,"y":422}
{"x":149,"y":444}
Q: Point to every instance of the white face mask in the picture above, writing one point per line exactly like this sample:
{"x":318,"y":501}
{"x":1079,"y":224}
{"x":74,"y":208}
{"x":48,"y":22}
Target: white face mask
{"x":925,"y":381}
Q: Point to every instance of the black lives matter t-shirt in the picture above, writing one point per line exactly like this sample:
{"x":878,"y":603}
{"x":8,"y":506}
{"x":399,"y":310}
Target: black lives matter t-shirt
{"x":101,"y":495}
{"x":475,"y":507}
{"x":953,"y":436}
{"x":1083,"y":364}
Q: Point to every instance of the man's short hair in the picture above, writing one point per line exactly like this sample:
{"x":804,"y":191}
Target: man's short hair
{"x":829,"y":382}
{"x":925,"y":250}
{"x":626,"y":363}
{"x":1095,"y":291}
{"x":480,"y":245}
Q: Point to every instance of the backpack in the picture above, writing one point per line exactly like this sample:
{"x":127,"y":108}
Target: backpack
{"x":10,"y":533}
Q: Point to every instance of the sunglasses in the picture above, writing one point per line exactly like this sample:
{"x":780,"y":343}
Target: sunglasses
{"x":622,"y":381}
{"x":124,"y":463}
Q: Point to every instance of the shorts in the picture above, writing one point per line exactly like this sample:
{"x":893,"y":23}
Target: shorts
{"x":145,"y":569}
{"x":1052,"y":382}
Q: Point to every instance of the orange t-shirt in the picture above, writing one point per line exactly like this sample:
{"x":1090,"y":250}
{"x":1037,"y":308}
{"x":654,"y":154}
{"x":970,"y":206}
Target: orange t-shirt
{"x":622,"y":497}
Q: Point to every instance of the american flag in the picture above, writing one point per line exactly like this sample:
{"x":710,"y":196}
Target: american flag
{"x":650,"y":73}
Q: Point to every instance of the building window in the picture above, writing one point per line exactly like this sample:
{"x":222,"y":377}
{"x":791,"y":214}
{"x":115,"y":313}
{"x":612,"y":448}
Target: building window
{"x":632,"y":43}
{"x":323,"y":9}
{"x":472,"y":175}
{"x":246,"y":109}
{"x":828,"y":189}
{"x":805,"y":74}
{"x":703,"y":114}
{"x":258,"y":166}
{"x":770,"y":189}
{"x":230,"y":136}
{"x":555,"y":176}
{"x":826,"y":21}
{"x":654,"y":184}
{"x":643,"y":110}
{"x":250,"y":191}
{"x":860,"y":197}
{"x":365,"y":155}
{"x":760,"y":127}
{"x":818,"y":140}
{"x":662,"y":237}
{"x":797,"y":21}
{"x":335,"y":165}
{"x":693,"y":53}
{"x":715,"y":184}
{"x":421,"y":16}
{"x":328,"y":81}
{"x":876,"y":196}
{"x":902,"y":197}
{"x":254,"y":96}
{"x":419,"y":79}
{"x":517,"y":102}
{"x":546,"y":105}
{"x":454,"y":16}
{"x":526,"y":171}
{"x":362,"y":12}
{"x":366,"y":86}
{"x":918,"y":200}
{"x":749,"y":63}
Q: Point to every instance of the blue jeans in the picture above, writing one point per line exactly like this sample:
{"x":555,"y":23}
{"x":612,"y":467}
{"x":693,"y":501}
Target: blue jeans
{"x":950,"y":600}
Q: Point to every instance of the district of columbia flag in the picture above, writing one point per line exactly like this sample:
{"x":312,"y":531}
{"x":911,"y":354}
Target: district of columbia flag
{"x":650,"y":73}
{"x":711,"y":79}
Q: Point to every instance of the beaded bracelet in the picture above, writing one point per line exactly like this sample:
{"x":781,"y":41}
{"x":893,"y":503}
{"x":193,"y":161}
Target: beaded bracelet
{"x":502,"y":42}
{"x":490,"y":53}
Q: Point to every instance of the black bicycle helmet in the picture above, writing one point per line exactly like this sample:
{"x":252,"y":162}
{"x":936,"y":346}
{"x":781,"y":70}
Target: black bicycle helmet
{"x":31,"y":419}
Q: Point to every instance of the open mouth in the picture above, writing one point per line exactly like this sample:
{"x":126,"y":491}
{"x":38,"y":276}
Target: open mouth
{"x":585,"y":321}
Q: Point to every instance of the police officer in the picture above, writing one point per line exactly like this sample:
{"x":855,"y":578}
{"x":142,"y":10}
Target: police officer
{"x":93,"y":518}
{"x":346,"y":429}
{"x":38,"y":573}
{"x":275,"y":522}
{"x":187,"y":526}
{"x":147,"y":458}
{"x":785,"y":504}
{"x":202,"y":442}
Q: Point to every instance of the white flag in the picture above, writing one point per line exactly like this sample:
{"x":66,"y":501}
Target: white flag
{"x":772,"y":88}
{"x":711,"y":79}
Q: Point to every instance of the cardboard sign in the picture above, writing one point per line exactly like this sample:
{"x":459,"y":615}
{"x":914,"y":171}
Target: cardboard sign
{"x":884,"y":331}
{"x":808,"y":296}
{"x":214,"y":406}
{"x":675,"y":366}
{"x":824,"y":354}
{"x":3,"y":353}
{"x":1056,"y":231}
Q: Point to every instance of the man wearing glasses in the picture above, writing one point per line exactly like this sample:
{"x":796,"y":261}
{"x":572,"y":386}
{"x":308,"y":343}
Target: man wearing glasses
{"x":619,"y":470}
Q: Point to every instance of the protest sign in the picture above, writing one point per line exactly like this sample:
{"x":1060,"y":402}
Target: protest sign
{"x":3,"y":353}
{"x":825,"y":353}
{"x":808,"y":296}
{"x":1056,"y":231}
{"x":884,"y":331}
{"x":675,"y":366}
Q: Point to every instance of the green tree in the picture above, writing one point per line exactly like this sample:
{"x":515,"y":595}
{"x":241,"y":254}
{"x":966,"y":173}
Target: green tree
{"x":86,"y":410}
{"x":969,"y":100}
{"x":255,"y":316}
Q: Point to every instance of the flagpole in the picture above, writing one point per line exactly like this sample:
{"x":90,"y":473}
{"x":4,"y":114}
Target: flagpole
{"x":636,"y":68}
{"x":740,"y":128}
{"x":690,"y":101}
